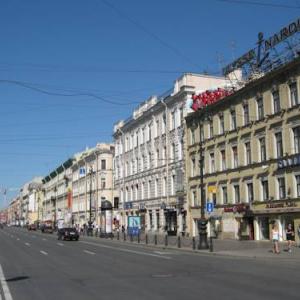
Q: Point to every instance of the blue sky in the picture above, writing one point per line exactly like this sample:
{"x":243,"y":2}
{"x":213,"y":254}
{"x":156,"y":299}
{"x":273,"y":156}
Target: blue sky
{"x":121,"y":51}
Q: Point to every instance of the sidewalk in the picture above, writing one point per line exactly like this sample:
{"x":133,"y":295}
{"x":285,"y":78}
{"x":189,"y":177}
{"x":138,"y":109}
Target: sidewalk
{"x":247,"y":249}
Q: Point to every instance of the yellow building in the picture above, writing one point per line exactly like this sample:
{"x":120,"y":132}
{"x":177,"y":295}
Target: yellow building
{"x":251,"y":146}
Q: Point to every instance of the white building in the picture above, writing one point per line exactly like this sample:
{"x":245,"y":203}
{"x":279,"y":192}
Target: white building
{"x":149,"y":158}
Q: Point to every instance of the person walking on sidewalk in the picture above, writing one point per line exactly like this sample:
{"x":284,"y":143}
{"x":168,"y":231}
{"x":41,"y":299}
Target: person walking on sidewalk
{"x":275,"y":238}
{"x":290,"y":237}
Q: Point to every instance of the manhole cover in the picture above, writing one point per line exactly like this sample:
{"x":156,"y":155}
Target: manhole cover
{"x":162,"y":275}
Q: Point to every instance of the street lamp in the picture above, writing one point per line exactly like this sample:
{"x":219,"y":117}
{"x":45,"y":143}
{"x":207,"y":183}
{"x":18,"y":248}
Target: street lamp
{"x":90,"y":229}
{"x":202,"y":223}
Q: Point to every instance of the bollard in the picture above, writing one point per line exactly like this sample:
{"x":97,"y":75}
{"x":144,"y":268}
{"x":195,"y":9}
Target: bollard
{"x":178,"y":242}
{"x":118,"y":235}
{"x":194,"y":243}
{"x":146,"y":239}
{"x":166,"y":240}
{"x":124,"y":236}
{"x":139,"y":238}
{"x":211,"y":246}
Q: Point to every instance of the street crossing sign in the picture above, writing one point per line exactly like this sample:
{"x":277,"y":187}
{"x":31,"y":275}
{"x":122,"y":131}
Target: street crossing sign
{"x":209,"y":207}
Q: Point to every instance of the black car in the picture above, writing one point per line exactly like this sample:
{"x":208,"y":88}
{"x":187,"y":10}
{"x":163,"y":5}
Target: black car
{"x":67,"y":234}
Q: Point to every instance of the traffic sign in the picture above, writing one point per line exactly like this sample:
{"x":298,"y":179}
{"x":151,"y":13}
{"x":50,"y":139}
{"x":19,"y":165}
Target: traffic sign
{"x":209,"y":207}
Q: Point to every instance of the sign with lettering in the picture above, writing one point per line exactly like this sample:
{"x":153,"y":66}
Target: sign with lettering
{"x":238,"y":208}
{"x":282,"y":204}
{"x":291,"y":161}
{"x":256,"y":57}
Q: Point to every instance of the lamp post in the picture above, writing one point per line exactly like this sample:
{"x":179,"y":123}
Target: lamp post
{"x":202,"y":223}
{"x":90,"y":229}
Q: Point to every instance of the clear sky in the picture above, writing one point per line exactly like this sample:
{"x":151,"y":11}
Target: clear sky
{"x":121,"y":51}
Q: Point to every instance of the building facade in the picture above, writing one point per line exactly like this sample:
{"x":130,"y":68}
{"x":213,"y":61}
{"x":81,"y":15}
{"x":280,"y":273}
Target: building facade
{"x":149,"y":159}
{"x":251,"y":146}
{"x":92,"y":183}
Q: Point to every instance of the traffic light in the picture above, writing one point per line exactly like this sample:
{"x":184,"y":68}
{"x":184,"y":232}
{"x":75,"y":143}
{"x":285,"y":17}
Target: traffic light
{"x":202,"y":223}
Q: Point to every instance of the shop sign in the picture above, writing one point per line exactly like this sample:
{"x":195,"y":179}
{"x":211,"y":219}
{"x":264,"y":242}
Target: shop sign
{"x":289,"y":162}
{"x":282,"y":204}
{"x":212,"y":189}
{"x":236,"y":208}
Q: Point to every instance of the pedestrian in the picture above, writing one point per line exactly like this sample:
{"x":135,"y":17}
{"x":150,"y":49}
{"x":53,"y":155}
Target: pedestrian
{"x":290,"y":237}
{"x":275,"y":238}
{"x":298,"y":231}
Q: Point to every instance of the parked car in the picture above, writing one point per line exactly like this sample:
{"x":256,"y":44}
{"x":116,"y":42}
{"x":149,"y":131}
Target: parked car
{"x":31,"y":227}
{"x":68,"y":233}
{"x":47,"y":227}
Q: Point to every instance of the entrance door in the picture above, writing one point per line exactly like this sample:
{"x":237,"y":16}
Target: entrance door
{"x":171,"y":222}
{"x":264,"y":228}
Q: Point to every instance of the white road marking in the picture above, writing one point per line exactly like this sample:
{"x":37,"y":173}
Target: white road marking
{"x":27,"y":244}
{"x":43,"y":252}
{"x":89,"y":252}
{"x":162,"y":253}
{"x":127,"y":250}
{"x":5,"y":288}
{"x":60,"y":244}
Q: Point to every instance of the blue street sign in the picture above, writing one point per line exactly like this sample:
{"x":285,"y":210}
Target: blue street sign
{"x":209,"y":207}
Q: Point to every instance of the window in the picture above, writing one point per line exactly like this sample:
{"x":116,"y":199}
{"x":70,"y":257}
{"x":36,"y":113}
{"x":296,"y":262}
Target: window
{"x":279,"y":145}
{"x":173,"y":120}
{"x":212,"y":162}
{"x":150,"y":219}
{"x":294,"y":94}
{"x":276,"y":102}
{"x":103,"y":183}
{"x":233,"y":119}
{"x":136,"y":165}
{"x":143,"y":136}
{"x":265,"y":189}
{"x":157,"y":158}
{"x":250,"y":192}
{"x":281,"y":188}
{"x":194,"y":198}
{"x":211,"y":128}
{"x":136,"y":139}
{"x":165,"y":186}
{"x":157,"y":220}
{"x":223,"y":160}
{"x":192,"y":136}
{"x":149,"y":189}
{"x":142,"y":163}
{"x":193,"y":167}
{"x":173,"y":185}
{"x":103,"y":164}
{"x":235,"y":157}
{"x":149,"y":132}
{"x":296,"y":132}
{"x":263,"y":152}
{"x":157,"y":127}
{"x":164,"y":123}
{"x":237,"y":198}
{"x":143,"y":191}
{"x":149,"y":160}
{"x":298,"y":185}
{"x":224,"y":195}
{"x":260,"y":108}
{"x":156,"y":188}
{"x":164,"y":155}
{"x":248,"y":153}
{"x":221,"y":118}
{"x":246,"y":114}
{"x":173,"y":151}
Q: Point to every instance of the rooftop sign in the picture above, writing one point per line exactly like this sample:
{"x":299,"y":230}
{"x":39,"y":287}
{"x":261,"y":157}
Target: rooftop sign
{"x":257,"y":56}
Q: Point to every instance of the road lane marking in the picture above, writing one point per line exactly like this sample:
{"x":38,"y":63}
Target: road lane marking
{"x":162,"y":253}
{"x":60,"y":244}
{"x":127,"y":250}
{"x":5,"y":288}
{"x":43,"y":252}
{"x":89,"y":252}
{"x":27,"y":244}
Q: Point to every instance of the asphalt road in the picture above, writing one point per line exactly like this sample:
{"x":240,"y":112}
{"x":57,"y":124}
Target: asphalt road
{"x":38,"y":266}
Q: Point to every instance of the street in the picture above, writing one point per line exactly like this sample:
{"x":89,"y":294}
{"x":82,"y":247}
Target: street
{"x":38,"y":266}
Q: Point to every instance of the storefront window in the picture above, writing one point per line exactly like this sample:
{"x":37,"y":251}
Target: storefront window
{"x":298,"y":185}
